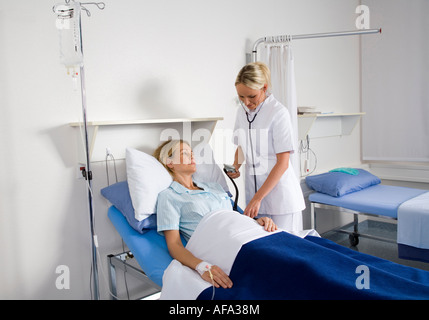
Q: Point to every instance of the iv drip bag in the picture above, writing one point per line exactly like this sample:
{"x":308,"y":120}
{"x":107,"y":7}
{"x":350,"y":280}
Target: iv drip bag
{"x":68,"y":25}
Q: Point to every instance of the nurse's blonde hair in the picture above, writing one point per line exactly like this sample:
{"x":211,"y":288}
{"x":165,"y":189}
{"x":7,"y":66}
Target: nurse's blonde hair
{"x":254,"y":75}
{"x":166,"y":150}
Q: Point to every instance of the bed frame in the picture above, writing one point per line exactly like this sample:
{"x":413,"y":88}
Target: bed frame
{"x":121,"y":261}
{"x":355,"y":234}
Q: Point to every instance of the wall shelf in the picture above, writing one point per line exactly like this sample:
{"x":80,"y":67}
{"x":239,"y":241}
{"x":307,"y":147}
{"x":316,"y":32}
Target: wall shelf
{"x":141,"y":133}
{"x":327,"y":125}
{"x":143,"y":121}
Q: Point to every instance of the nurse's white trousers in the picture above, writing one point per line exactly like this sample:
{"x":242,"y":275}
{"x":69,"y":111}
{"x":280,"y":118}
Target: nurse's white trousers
{"x":287,"y":222}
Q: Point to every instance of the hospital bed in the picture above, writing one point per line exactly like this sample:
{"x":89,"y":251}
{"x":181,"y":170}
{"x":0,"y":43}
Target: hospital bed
{"x":363,"y":194}
{"x":303,"y":268}
{"x":295,"y":275}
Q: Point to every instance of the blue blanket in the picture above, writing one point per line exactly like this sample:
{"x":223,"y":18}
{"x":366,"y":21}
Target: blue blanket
{"x":283,"y":266}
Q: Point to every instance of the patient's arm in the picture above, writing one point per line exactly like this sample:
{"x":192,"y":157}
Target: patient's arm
{"x":184,"y":256}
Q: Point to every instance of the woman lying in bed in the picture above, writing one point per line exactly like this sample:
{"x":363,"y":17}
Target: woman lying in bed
{"x":181,"y":207}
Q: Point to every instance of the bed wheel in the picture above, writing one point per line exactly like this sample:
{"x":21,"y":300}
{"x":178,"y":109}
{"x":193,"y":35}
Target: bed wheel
{"x":354,"y":239}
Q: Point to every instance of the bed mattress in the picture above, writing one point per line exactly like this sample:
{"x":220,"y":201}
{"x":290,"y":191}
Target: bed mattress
{"x":379,"y":199}
{"x":149,"y":249}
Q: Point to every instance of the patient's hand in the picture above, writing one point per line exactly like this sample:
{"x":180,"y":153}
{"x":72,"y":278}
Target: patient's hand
{"x":220,"y":278}
{"x":268,"y":224}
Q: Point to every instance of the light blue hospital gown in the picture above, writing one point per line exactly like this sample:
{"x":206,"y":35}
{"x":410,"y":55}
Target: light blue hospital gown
{"x":179,"y":208}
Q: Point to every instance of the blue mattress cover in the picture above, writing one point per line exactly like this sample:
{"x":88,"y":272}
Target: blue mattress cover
{"x":379,"y":199}
{"x":149,"y":249}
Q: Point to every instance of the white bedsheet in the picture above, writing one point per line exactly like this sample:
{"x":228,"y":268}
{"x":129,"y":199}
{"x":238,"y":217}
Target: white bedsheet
{"x":413,"y":222}
{"x":217,"y":240}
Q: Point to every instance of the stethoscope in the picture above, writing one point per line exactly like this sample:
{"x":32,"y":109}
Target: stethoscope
{"x":250,"y":135}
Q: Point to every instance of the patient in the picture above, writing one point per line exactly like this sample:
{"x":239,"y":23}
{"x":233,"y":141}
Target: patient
{"x":182,"y":206}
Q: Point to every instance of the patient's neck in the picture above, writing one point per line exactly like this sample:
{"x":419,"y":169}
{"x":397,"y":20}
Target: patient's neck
{"x":186,"y":181}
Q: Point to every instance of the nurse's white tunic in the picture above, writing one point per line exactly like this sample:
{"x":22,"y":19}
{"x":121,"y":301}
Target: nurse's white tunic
{"x":271,"y":133}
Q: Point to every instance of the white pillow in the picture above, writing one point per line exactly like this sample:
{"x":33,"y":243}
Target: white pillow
{"x":146,"y":178}
{"x":207,"y":169}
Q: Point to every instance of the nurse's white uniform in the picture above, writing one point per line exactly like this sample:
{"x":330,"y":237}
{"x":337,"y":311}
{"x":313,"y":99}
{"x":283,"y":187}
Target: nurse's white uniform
{"x":271,"y":133}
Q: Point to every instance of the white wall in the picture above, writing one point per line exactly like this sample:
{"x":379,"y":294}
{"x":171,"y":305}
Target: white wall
{"x":395,"y":71}
{"x":153,"y":59}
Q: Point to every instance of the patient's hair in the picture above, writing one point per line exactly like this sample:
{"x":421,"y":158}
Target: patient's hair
{"x":166,"y":150}
{"x":254,"y":75}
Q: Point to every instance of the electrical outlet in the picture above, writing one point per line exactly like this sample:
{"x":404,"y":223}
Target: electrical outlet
{"x":79,"y":171}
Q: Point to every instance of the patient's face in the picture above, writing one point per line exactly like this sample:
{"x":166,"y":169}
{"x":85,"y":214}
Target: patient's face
{"x":183,"y":159}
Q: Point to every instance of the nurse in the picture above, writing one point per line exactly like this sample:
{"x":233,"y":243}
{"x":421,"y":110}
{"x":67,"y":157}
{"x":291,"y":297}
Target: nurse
{"x":264,"y":139}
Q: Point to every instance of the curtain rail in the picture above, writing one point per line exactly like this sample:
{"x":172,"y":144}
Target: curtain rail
{"x":314,"y":35}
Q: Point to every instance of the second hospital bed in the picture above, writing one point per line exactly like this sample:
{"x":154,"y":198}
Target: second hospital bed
{"x":363,"y":194}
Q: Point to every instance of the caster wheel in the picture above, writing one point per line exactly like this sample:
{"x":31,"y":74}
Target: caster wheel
{"x":354,"y":239}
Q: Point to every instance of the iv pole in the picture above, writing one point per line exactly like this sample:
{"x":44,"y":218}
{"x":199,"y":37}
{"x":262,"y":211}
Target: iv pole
{"x":87,"y":173}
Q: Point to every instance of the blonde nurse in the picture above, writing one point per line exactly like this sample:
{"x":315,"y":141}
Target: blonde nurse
{"x":264,"y":138}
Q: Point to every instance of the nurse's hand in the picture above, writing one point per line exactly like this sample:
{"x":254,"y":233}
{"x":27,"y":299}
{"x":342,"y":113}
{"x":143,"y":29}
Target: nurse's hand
{"x":234,"y":175}
{"x":252,"y":208}
{"x":268,"y":224}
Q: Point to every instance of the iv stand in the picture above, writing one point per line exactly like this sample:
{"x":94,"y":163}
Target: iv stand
{"x":87,"y":173}
{"x":88,"y":177}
